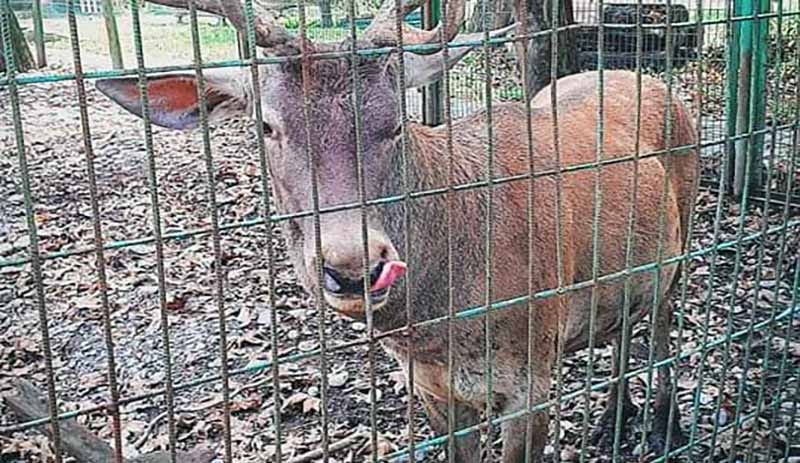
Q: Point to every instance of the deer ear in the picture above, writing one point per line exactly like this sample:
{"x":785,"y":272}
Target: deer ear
{"x":173,"y":98}
{"x":426,"y":69}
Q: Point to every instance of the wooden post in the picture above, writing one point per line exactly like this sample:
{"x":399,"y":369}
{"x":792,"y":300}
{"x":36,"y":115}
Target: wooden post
{"x":114,"y":48}
{"x":38,"y":34}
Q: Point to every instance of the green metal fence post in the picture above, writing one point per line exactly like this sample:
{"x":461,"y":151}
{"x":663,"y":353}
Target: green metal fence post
{"x":760,"y":103}
{"x":751,"y":74}
{"x":38,"y":34}
{"x":731,"y":72}
{"x":431,"y":94}
{"x":743,"y":80}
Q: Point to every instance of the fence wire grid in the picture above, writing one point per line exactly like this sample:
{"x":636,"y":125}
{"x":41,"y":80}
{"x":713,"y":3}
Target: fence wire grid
{"x":151,"y":311}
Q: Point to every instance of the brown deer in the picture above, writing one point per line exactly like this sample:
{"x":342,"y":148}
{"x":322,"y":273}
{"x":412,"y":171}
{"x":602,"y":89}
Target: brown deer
{"x":667,"y":186}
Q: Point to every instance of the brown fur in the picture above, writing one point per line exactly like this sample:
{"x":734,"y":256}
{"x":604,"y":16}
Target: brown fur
{"x":577,"y":128}
{"x":667,"y":187}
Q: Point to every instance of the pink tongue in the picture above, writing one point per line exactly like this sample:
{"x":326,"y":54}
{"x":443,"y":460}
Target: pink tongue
{"x":392,"y":270}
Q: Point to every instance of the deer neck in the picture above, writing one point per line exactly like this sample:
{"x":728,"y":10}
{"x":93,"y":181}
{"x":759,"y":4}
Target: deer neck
{"x":427,"y":162}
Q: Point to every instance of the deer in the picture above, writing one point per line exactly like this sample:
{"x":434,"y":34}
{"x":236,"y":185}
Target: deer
{"x":557,"y":243}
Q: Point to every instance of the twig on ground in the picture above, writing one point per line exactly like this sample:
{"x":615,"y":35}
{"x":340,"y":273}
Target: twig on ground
{"x":154,"y":422}
{"x":338,"y":445}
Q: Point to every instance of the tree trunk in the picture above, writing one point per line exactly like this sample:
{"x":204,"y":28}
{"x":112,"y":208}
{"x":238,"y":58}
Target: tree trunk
{"x":23,"y":60}
{"x":325,"y":13}
{"x":538,"y":49}
{"x":38,"y":34}
{"x":500,"y":12}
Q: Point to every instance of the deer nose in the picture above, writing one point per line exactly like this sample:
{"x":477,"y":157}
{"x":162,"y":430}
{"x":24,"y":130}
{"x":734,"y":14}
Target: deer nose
{"x":337,"y":282}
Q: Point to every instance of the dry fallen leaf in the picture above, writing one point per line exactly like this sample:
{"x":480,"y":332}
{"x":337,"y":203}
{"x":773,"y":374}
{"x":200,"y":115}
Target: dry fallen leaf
{"x":252,"y":403}
{"x":311,"y":404}
{"x":338,"y":379}
{"x":177,"y":303}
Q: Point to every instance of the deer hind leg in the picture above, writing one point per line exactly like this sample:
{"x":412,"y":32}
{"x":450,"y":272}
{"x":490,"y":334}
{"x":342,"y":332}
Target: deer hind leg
{"x":604,"y":433}
{"x":664,"y":433}
{"x":524,"y":438}
{"x":467,"y":448}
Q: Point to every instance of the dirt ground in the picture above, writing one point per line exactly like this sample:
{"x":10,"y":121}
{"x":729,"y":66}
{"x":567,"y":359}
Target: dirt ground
{"x":726,"y":301}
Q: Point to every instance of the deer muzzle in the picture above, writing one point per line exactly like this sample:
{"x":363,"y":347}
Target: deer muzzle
{"x":343,"y":280}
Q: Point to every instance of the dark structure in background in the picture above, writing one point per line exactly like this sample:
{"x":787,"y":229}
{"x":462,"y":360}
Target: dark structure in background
{"x":503,"y":14}
{"x":620,"y":45}
{"x":538,"y":49}
{"x":578,"y":46}
{"x":326,"y":14}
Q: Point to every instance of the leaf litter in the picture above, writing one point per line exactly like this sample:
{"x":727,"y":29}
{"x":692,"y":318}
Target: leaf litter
{"x":74,"y":307}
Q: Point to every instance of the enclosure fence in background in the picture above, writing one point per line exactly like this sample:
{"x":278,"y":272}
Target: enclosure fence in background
{"x":737,"y":301}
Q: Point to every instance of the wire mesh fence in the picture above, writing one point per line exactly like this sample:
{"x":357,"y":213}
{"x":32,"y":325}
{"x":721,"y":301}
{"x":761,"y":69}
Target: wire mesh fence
{"x":338,"y":282}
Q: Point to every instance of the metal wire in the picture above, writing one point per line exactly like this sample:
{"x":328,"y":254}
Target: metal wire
{"x":311,"y":155}
{"x":488,"y":321}
{"x":152,"y":186}
{"x":624,"y":342}
{"x":219,"y":266}
{"x":33,"y":235}
{"x":503,"y":305}
{"x":713,"y":260}
{"x":737,"y":268}
{"x":684,"y":277}
{"x":365,"y":258}
{"x":466,"y":313}
{"x":449,"y":216}
{"x":526,"y":98}
{"x":761,"y":250}
{"x":266,"y":206}
{"x":486,"y":309}
{"x":403,"y":121}
{"x":681,"y":450}
{"x":555,"y":21}
{"x":100,"y":259}
{"x":795,"y":293}
{"x":780,"y":262}
{"x":660,"y":306}
{"x":595,"y":232}
{"x":721,"y":340}
{"x":791,"y":428}
{"x":421,"y":48}
{"x":276,"y":218}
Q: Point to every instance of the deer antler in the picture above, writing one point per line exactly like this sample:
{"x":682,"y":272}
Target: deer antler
{"x":269,"y":33}
{"x":382,"y":30}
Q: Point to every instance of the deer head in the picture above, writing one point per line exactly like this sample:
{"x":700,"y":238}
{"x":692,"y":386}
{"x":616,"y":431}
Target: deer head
{"x":328,"y":89}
